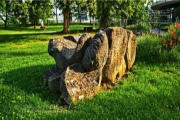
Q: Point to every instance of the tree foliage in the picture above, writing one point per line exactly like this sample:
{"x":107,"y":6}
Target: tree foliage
{"x":92,"y":8}
{"x":39,"y":10}
{"x":66,"y":6}
{"x":31,"y":11}
{"x":24,"y":11}
{"x":176,"y":13}
{"x":5,"y":11}
{"x":20,"y":11}
{"x":124,"y":9}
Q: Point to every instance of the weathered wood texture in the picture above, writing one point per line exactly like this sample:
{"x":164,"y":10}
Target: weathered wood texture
{"x":115,"y":66}
{"x":96,"y":53}
{"x":62,"y":51}
{"x":131,"y":50}
{"x":52,"y":78}
{"x":81,"y":47}
{"x":82,"y":64}
{"x":76,"y":84}
{"x":68,"y":50}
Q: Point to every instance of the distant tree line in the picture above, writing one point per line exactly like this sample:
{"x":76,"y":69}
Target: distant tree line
{"x":25,"y":11}
{"x":31,"y":11}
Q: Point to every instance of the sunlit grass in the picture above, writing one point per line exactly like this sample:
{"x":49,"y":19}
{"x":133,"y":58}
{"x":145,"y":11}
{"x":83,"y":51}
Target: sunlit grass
{"x":150,"y":91}
{"x":16,"y":29}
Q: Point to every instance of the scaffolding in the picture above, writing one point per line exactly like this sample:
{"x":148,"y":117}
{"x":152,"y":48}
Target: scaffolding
{"x":160,"y":17}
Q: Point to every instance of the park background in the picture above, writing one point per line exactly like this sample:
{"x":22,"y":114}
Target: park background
{"x":149,"y":91}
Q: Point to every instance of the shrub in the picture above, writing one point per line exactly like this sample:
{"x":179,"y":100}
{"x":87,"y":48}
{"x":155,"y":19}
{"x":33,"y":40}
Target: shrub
{"x":150,"y":50}
{"x":172,"y":38}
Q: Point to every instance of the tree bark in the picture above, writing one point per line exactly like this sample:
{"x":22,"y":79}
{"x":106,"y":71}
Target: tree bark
{"x":70,"y":17}
{"x":5,"y":24}
{"x":103,"y":22}
{"x":94,"y":22}
{"x":66,"y":21}
{"x":104,"y":18}
{"x":34,"y":24}
{"x":5,"y":21}
{"x":125,"y":22}
{"x":90,"y":19}
{"x":56,"y":16}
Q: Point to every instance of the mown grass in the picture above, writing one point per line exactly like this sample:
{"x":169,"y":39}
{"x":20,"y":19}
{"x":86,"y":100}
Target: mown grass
{"x":16,"y":29}
{"x":150,"y":91}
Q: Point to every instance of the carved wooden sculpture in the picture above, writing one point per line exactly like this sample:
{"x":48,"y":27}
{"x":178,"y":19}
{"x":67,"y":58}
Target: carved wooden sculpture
{"x":83,"y":63}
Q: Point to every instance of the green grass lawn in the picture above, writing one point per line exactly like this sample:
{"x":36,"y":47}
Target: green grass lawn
{"x":150,"y":91}
{"x":16,"y":29}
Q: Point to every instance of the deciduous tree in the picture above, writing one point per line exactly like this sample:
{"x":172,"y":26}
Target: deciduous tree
{"x":39,"y":10}
{"x":92,"y":8}
{"x":118,"y":8}
{"x":5,"y":11}
{"x":64,"y":5}
{"x":20,"y":11}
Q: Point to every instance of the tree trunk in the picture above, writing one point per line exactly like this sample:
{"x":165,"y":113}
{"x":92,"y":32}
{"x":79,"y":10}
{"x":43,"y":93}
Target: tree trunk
{"x":125,"y":23}
{"x":47,"y":22}
{"x":103,"y":22}
{"x":56,"y":16}
{"x":90,"y":18}
{"x":104,"y":18}
{"x":94,"y":22}
{"x":70,"y":17}
{"x":5,"y":24}
{"x":34,"y":24}
{"x":5,"y":21}
{"x":66,"y":21}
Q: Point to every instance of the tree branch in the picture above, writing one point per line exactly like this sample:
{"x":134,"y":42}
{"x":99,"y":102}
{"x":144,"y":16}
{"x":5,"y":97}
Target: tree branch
{"x":1,"y":16}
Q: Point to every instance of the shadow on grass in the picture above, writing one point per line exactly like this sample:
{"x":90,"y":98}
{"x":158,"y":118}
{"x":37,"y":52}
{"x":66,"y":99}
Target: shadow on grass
{"x":21,"y":37}
{"x":133,"y":101}
{"x":30,"y":28}
{"x":32,"y":36}
{"x":19,"y":54}
{"x":30,"y":80}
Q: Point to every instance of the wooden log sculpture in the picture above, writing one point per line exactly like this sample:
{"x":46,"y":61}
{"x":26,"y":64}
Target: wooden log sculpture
{"x":84,"y":63}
